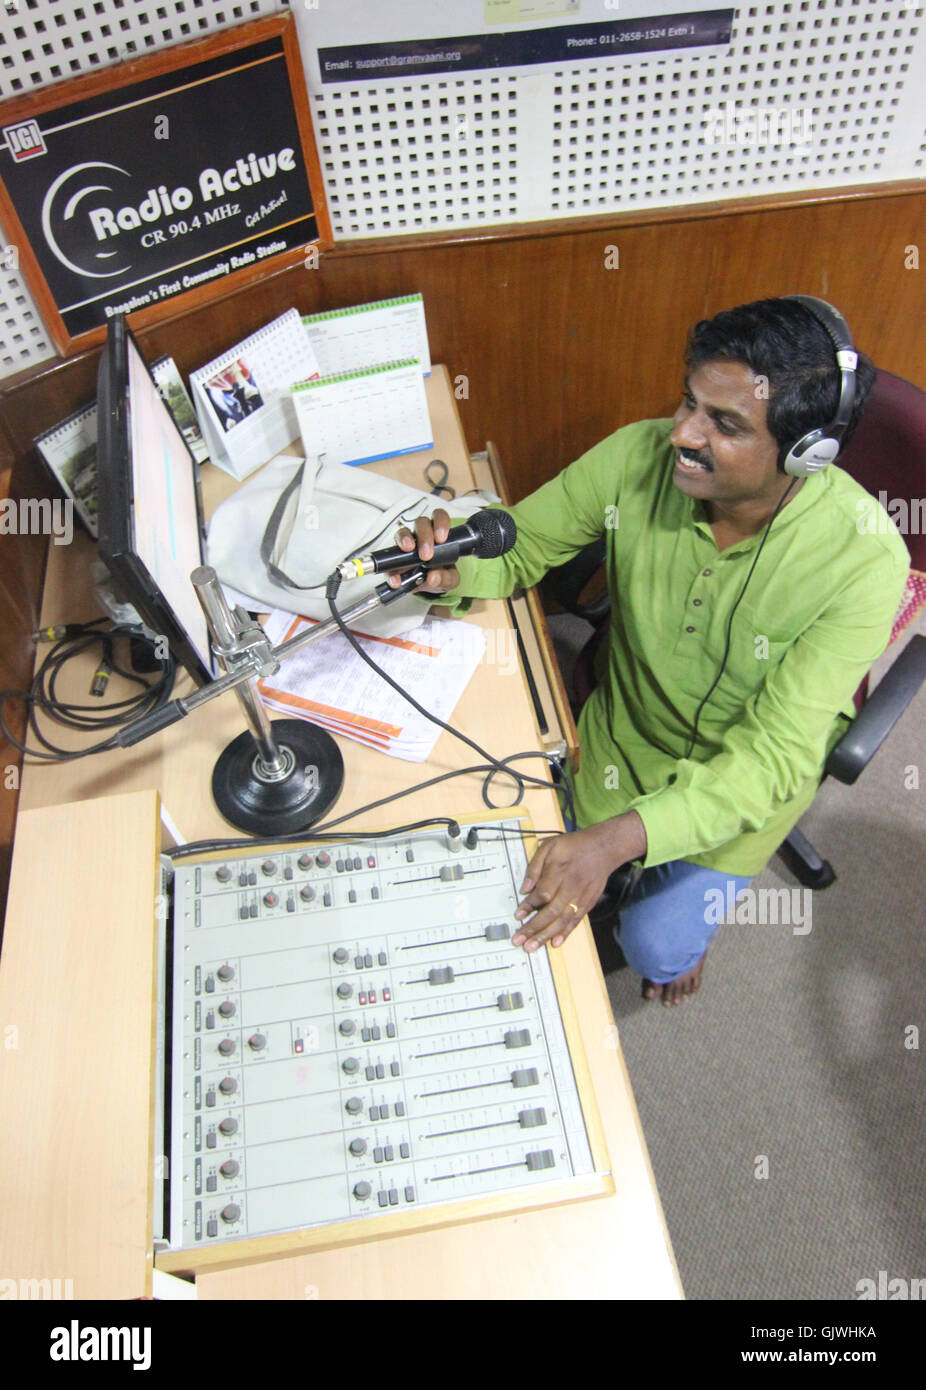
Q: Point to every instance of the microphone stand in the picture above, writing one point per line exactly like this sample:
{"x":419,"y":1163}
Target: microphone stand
{"x":278,"y":777}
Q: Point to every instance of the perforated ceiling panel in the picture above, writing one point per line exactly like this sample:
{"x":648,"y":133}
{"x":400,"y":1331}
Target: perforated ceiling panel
{"x":809,"y":94}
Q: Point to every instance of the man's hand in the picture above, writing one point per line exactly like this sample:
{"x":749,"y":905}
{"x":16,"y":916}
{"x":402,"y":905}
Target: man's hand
{"x":567,"y":875}
{"x":427,"y":531}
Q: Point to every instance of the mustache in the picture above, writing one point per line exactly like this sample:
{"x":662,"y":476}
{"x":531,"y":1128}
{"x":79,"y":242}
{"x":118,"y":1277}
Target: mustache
{"x":695,"y":458}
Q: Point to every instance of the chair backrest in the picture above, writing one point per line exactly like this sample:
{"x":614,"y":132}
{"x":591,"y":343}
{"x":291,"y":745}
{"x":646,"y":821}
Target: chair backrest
{"x":887,"y":455}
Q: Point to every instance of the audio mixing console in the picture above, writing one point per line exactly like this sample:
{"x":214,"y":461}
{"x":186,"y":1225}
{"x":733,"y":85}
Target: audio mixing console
{"x":353,"y":1035}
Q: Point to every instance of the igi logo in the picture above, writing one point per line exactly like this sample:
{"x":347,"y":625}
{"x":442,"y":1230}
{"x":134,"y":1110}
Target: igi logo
{"x":24,"y":141}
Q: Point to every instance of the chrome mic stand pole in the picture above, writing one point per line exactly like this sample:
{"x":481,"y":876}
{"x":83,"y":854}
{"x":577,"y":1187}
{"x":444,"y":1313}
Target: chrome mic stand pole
{"x":229,"y":633}
{"x":279,"y":777}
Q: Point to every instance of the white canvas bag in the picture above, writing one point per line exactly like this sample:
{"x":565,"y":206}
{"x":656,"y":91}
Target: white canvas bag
{"x":282,"y":533}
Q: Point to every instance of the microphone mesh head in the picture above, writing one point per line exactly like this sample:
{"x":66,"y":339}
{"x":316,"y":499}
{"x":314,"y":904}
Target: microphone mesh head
{"x":497,"y":532}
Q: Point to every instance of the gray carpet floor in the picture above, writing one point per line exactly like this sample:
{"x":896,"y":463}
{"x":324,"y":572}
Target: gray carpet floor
{"x":794,"y":1059}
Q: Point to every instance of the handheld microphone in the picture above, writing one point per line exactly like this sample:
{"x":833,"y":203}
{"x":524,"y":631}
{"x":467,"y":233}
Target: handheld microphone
{"x":486,"y":535}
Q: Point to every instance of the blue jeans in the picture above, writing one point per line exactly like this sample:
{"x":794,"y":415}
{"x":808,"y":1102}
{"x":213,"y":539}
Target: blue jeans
{"x":666,"y":926}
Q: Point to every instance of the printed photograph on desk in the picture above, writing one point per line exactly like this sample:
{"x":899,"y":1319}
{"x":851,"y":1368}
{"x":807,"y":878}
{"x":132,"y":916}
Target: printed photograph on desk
{"x":234,"y":394}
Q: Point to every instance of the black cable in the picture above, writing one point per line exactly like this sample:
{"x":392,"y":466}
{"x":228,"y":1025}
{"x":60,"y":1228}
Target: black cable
{"x":726,"y":650}
{"x":442,"y":473}
{"x":496,"y":764}
{"x":323,"y":831}
{"x":42,"y":694}
{"x":311,"y":834}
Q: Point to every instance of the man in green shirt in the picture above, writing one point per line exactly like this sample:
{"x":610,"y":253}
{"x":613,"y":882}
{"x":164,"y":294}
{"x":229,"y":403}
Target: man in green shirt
{"x":747,"y":606}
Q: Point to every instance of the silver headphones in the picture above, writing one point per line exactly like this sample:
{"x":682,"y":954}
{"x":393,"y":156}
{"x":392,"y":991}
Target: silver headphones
{"x":814,"y":450}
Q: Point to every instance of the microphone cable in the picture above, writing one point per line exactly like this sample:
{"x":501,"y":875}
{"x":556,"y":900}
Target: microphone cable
{"x":43,"y":697}
{"x":494,"y":765}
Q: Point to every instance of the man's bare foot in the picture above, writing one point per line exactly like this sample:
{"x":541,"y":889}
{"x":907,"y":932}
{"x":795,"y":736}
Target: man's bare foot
{"x":676,"y":990}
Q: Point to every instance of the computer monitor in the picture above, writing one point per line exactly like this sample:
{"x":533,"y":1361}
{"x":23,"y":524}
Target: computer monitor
{"x":150,"y":512}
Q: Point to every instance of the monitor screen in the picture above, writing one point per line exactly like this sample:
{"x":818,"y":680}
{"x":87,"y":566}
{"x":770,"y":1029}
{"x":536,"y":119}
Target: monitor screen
{"x":151,"y":534}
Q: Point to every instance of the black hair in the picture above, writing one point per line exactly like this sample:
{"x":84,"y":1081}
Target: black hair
{"x":781,"y":340}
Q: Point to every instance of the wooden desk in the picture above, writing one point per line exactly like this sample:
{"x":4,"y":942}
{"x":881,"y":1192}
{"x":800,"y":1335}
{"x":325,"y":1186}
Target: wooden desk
{"x":614,"y":1247}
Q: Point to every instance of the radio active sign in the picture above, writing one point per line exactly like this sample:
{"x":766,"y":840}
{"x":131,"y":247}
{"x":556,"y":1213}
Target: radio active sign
{"x":167,"y":178}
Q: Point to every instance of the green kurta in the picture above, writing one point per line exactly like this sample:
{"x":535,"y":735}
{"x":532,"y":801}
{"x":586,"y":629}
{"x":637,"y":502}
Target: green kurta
{"x":816,"y":613}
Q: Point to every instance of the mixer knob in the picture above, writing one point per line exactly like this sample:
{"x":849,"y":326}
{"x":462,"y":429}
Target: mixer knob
{"x":307,"y":893}
{"x":362,"y":1191}
{"x":350,"y":1065}
{"x":227,"y":1009}
{"x":358,"y":1147}
{"x":271,"y":899}
{"x":228,"y":1086}
{"x":354,"y":1105}
{"x":227,"y":1047}
{"x":230,"y":1168}
{"x":231,"y":1212}
{"x":345,"y":990}
{"x":341,"y":955}
{"x":304,"y":861}
{"x":268,"y":867}
{"x":228,"y":1126}
{"x":256,"y":1042}
{"x":226,"y":973}
{"x":323,"y":859}
{"x":347,"y":1026}
{"x":223,"y":873}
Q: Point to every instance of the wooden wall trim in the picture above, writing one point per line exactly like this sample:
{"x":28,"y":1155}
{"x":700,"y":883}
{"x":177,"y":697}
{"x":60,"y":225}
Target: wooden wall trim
{"x":525,"y":231}
{"x":556,"y":350}
{"x":636,"y":217}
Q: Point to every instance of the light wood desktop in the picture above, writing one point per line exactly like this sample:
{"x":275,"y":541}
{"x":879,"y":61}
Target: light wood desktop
{"x":78,"y":972}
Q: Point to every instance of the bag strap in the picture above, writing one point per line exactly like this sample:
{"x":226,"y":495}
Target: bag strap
{"x":399,"y":513}
{"x":272,"y":533}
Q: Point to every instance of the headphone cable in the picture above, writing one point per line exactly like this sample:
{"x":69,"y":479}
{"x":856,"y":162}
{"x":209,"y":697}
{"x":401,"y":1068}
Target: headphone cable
{"x":726,"y":652}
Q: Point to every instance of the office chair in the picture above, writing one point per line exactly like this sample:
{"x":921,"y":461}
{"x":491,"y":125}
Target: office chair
{"x":887,"y":454}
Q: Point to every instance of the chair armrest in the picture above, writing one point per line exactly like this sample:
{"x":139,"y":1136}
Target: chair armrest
{"x":567,"y":582}
{"x":880,"y":713}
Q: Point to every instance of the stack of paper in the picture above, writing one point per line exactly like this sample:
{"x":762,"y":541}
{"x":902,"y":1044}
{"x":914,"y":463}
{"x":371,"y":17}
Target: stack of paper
{"x":328,"y":683}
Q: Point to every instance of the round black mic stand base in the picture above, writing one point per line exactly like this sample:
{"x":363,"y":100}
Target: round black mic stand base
{"x":255,"y":798}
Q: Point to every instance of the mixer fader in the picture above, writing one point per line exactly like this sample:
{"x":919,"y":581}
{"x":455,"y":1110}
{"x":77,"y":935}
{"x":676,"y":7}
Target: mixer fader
{"x":354,"y":1035}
